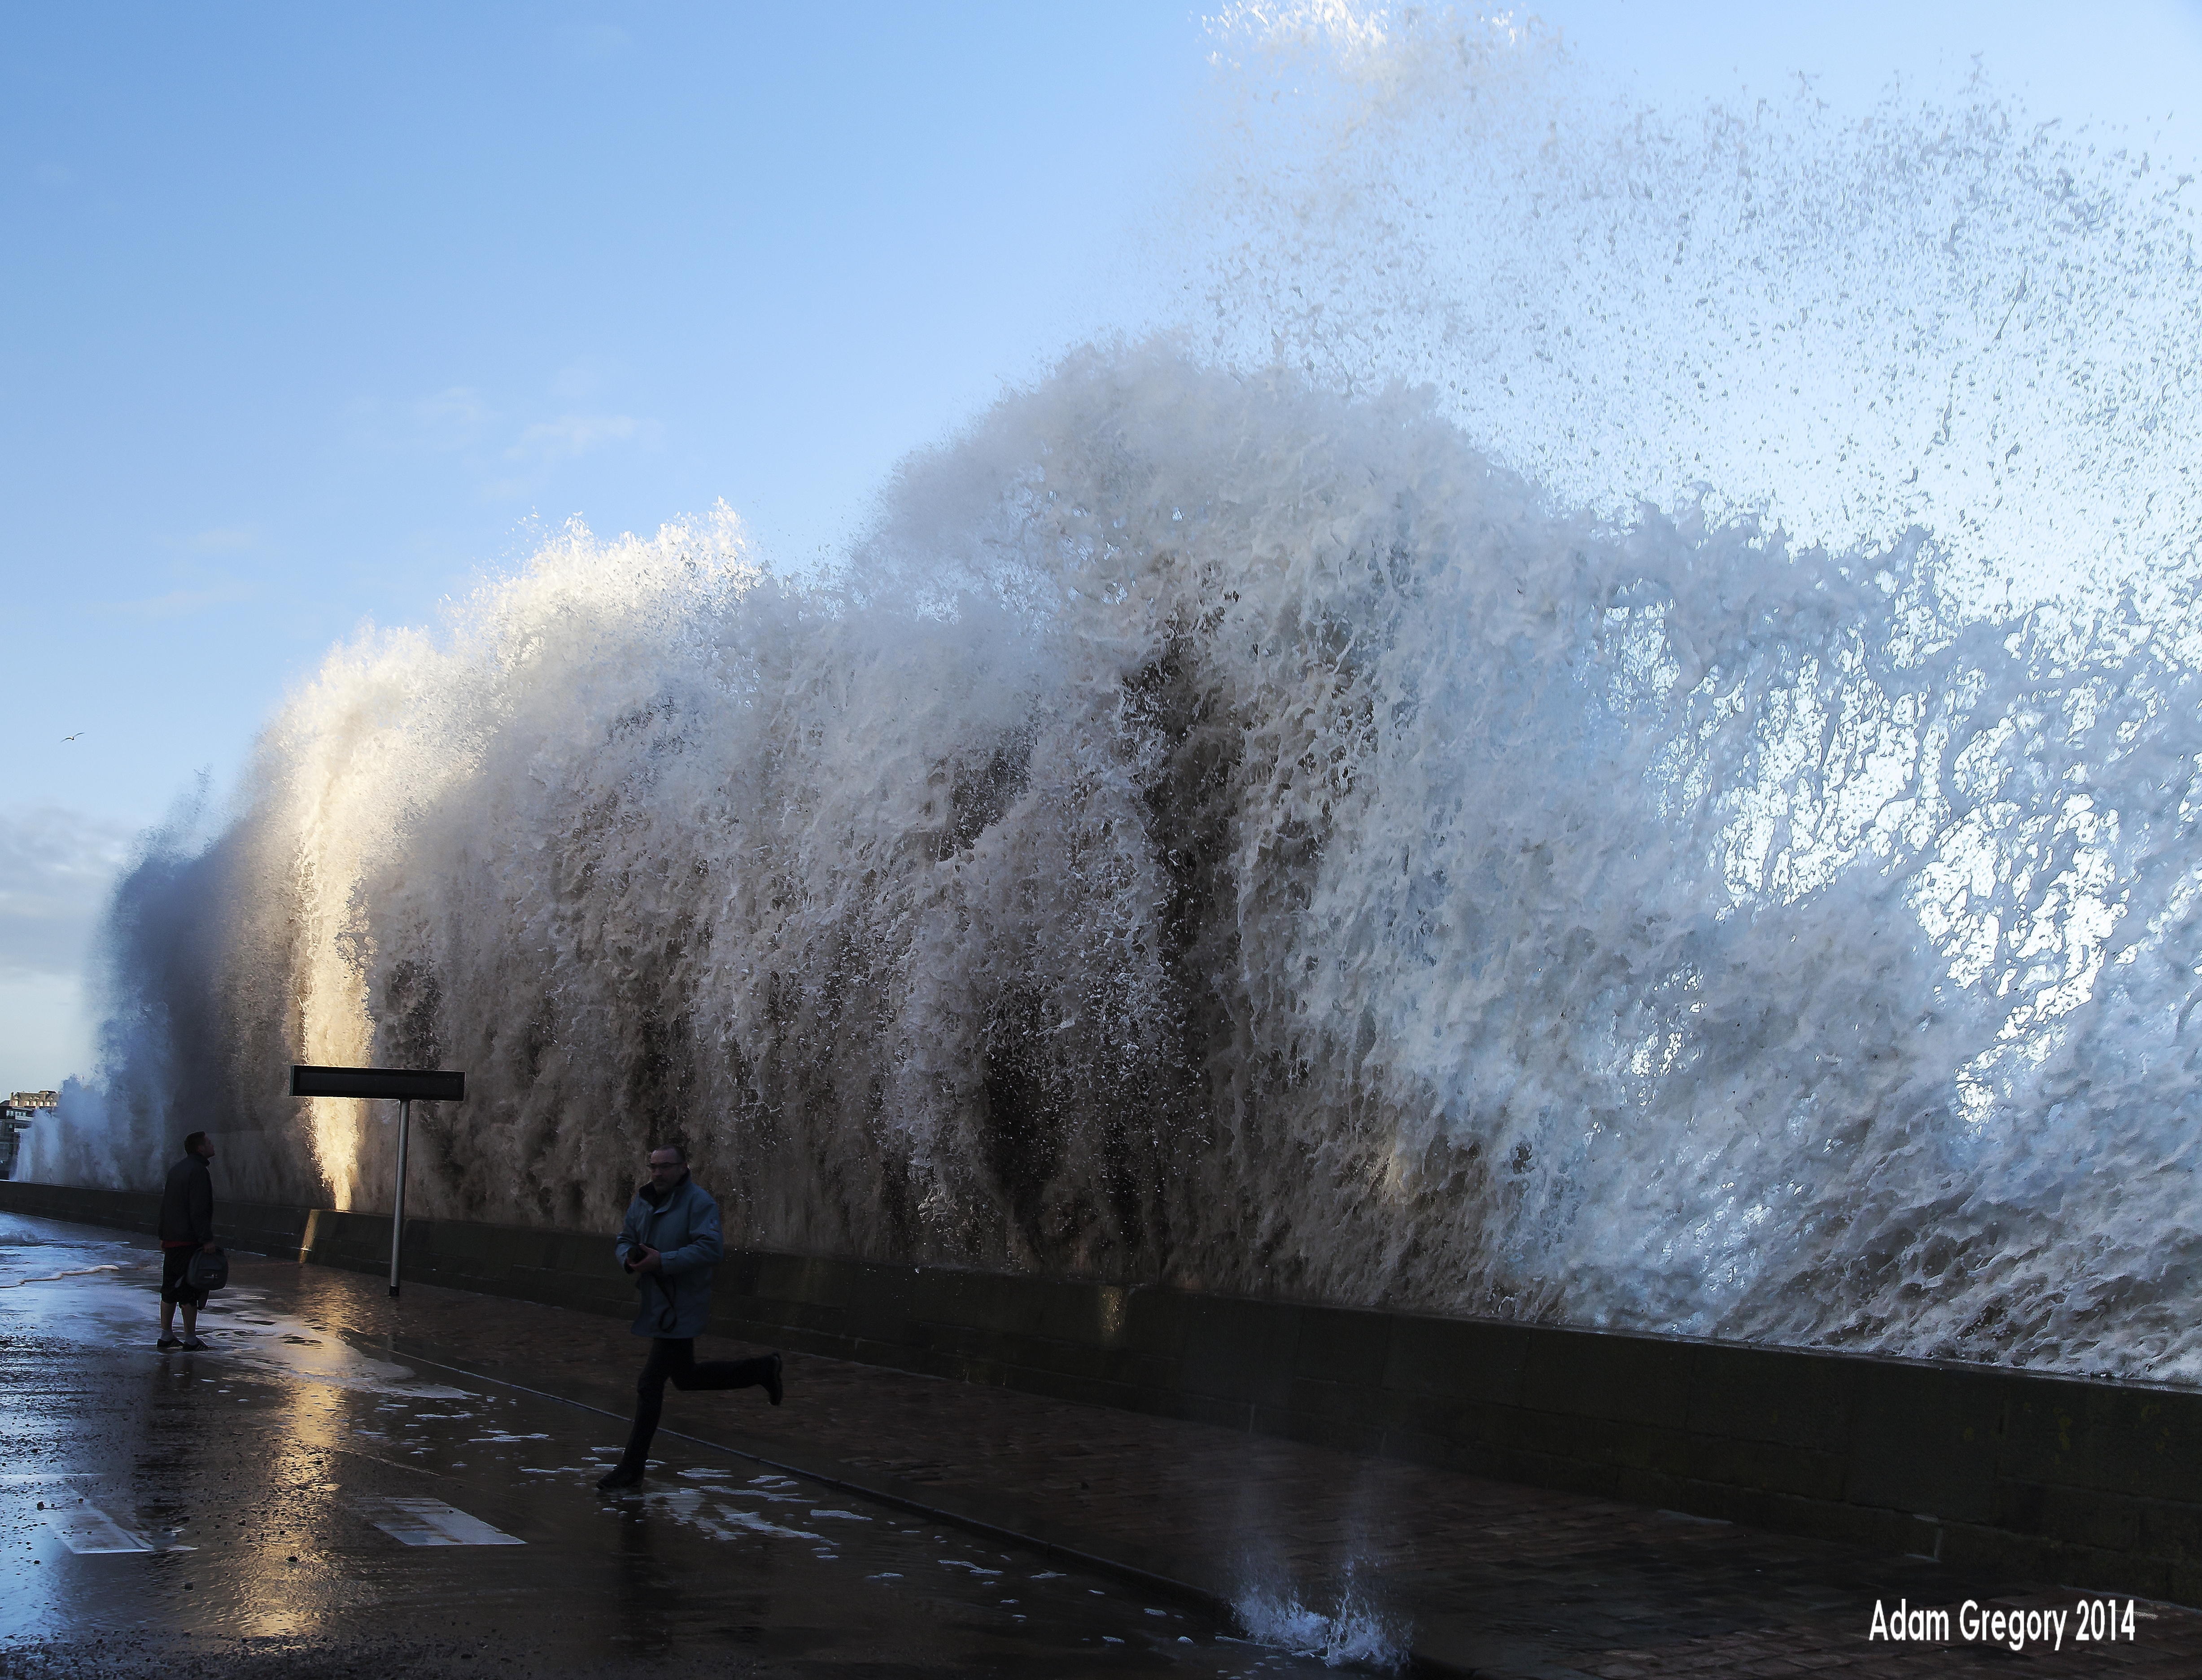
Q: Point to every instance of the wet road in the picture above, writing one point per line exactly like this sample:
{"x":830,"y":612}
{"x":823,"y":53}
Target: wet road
{"x":291,"y":1503}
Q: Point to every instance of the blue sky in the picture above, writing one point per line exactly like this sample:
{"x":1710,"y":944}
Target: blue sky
{"x":313,"y":316}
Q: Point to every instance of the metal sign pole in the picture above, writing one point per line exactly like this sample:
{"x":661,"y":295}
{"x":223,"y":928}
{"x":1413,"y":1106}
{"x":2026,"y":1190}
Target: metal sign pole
{"x":398,"y":1217}
{"x":427,"y":1085}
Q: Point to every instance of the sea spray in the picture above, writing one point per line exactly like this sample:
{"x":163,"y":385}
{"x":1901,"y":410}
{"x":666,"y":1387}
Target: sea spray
{"x":1935,"y":309}
{"x":1223,"y":833}
{"x":1353,"y":1633}
{"x":1223,"y":825}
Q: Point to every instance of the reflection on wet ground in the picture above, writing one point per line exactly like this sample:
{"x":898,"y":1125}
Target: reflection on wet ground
{"x":290,"y":1499}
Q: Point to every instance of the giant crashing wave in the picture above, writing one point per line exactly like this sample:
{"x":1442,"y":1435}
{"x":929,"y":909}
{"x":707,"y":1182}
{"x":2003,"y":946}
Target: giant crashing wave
{"x":1220,"y":832}
{"x":1221,"y":826}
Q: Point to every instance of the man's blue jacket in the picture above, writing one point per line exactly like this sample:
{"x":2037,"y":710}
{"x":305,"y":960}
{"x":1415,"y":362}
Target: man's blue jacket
{"x":683,"y":1227}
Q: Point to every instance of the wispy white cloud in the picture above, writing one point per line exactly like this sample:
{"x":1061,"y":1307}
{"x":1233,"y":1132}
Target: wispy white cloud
{"x":182,"y":603}
{"x":584,"y":377}
{"x":455,"y":419}
{"x":56,"y":868}
{"x":227,"y":540}
{"x":573,"y":435}
{"x":510,"y":453}
{"x":548,"y":444}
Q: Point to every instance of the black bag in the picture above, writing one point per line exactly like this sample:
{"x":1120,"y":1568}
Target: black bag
{"x":667,"y":1315}
{"x":208,"y":1272}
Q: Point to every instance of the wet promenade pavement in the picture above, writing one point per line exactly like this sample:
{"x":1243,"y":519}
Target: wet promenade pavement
{"x":343,"y":1484}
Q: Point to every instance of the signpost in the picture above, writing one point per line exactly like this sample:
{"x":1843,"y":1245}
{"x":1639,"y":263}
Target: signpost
{"x":407,"y":1085}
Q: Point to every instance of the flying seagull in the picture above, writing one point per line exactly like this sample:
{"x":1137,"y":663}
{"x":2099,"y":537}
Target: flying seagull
{"x":70,"y":738}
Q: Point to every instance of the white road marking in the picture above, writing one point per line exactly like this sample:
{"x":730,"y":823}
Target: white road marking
{"x":430,"y":1522}
{"x":85,"y":1528}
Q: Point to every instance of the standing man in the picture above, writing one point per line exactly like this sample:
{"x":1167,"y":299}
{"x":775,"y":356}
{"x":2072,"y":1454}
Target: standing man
{"x":669,"y":1244}
{"x":186,"y":1229}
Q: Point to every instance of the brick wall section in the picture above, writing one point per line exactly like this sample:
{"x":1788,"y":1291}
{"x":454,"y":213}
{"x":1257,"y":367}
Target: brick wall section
{"x":2087,"y":1484}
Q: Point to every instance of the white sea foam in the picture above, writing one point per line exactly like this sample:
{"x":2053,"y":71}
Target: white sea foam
{"x":1222,"y":826}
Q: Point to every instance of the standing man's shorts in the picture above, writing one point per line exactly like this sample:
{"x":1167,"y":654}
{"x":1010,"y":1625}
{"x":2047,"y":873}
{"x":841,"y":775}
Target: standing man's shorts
{"x":175,"y":1277}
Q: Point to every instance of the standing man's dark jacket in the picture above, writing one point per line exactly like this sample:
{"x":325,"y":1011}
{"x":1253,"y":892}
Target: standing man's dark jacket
{"x":187,"y":1202}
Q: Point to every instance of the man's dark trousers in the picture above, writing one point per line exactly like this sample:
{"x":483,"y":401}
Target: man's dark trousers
{"x":672,"y":1359}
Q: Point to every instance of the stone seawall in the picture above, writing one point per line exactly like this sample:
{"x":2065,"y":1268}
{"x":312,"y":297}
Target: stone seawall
{"x":2062,"y":1479}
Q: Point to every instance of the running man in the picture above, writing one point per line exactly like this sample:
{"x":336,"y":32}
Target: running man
{"x":669,"y":1244}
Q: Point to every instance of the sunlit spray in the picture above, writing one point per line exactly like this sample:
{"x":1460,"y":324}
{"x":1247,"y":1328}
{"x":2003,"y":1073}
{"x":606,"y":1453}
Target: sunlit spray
{"x":1227,"y":824}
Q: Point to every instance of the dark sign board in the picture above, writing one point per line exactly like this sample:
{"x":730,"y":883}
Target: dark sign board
{"x":422,"y":1085}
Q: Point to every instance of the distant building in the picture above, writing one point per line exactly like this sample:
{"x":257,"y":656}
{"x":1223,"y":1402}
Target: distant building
{"x":15,"y":1116}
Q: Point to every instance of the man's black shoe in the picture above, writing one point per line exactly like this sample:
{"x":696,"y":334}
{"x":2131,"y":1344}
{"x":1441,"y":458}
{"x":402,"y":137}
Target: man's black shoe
{"x":166,"y":1343}
{"x":192,"y":1344}
{"x":621,"y":1477}
{"x":772,"y":1382}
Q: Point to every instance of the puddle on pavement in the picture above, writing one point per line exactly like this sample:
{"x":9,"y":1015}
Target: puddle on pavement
{"x":34,"y":1252}
{"x":241,"y":1326}
{"x":289,"y":1483}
